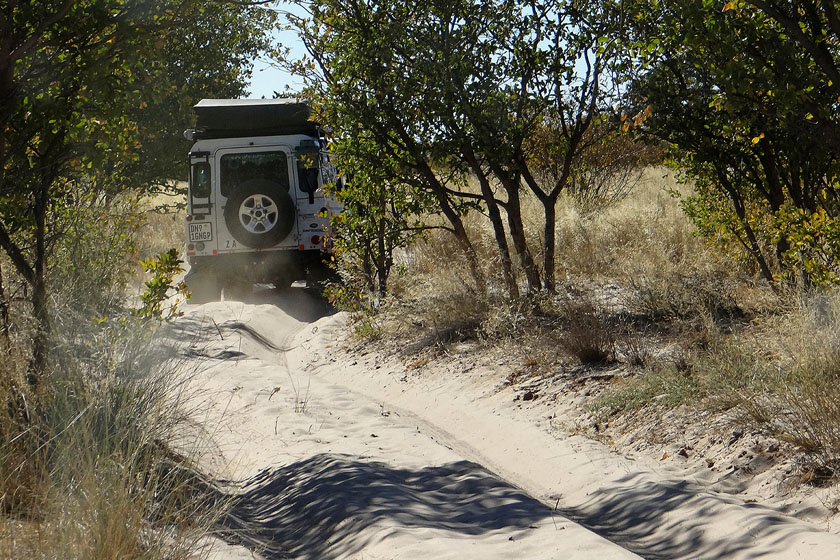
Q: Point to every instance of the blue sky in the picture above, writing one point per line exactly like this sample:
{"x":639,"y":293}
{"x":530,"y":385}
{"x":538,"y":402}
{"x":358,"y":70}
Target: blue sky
{"x":267,"y":78}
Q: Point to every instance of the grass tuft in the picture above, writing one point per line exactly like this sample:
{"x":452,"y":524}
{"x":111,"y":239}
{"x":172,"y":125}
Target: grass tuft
{"x":589,"y":335}
{"x":87,"y":462}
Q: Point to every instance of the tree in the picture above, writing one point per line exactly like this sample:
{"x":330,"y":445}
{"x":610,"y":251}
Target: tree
{"x":383,"y":210}
{"x":84,"y":89}
{"x":458,"y":89}
{"x":815,"y":27}
{"x":751,"y":115}
{"x":351,"y":44}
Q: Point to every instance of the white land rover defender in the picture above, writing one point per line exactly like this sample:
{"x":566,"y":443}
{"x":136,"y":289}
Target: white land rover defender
{"x":256,"y":211}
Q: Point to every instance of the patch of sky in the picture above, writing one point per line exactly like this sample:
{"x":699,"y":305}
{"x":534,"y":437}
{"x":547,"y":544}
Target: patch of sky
{"x":270,"y":78}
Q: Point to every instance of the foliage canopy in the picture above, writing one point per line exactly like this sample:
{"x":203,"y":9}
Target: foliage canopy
{"x":456,"y":91}
{"x":93,"y":96}
{"x":747,"y":94}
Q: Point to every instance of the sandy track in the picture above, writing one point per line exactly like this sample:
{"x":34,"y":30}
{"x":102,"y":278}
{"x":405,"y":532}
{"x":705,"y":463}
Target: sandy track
{"x":346,"y":459}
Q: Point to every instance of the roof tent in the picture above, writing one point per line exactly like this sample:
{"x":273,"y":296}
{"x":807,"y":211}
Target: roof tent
{"x":219,"y":118}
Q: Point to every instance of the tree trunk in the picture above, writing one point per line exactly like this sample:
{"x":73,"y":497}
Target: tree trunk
{"x":34,"y":277}
{"x":498,"y":227}
{"x":381,"y":249}
{"x":432,"y":183}
{"x":740,"y":210}
{"x":464,"y":242}
{"x":40,"y":308}
{"x":550,"y":209}
{"x":367,"y":268}
{"x":4,"y":309}
{"x":776,"y":197}
{"x":517,"y":233}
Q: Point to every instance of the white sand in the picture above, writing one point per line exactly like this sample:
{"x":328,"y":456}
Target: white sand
{"x":360,"y":459}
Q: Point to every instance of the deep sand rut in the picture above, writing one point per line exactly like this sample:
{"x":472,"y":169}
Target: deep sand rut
{"x":340,"y":458}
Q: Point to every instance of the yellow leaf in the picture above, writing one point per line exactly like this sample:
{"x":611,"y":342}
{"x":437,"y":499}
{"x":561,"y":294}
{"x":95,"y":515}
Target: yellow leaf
{"x":729,"y":6}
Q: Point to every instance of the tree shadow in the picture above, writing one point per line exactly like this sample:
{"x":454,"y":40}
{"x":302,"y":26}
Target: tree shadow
{"x":318,"y":508}
{"x":642,"y":516}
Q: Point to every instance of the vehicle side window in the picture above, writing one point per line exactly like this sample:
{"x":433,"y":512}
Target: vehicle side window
{"x":236,"y":169}
{"x":200,"y":184}
{"x":307,"y":165}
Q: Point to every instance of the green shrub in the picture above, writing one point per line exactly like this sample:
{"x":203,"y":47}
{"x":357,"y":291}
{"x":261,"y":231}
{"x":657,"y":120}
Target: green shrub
{"x":160,"y":300}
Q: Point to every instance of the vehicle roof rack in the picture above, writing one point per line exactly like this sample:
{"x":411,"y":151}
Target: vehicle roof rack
{"x":224,"y":118}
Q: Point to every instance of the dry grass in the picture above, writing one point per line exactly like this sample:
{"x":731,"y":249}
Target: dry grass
{"x":87,"y":469}
{"x":780,"y":374}
{"x":641,"y":247}
{"x":636,"y":287}
{"x":160,"y":228}
{"x":798,"y":376}
{"x":590,"y":334}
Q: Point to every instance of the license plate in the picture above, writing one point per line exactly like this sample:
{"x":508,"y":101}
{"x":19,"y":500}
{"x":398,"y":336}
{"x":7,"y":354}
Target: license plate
{"x":200,"y":232}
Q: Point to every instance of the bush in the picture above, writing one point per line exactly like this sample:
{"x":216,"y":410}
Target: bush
{"x":92,"y":261}
{"x":674,"y":295}
{"x":783,"y":378}
{"x":88,"y":460}
{"x":589,"y":334}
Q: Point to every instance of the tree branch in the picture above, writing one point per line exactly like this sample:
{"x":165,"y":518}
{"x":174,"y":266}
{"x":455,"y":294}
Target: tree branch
{"x":821,"y":56}
{"x":16,"y":255}
{"x":33,"y":38}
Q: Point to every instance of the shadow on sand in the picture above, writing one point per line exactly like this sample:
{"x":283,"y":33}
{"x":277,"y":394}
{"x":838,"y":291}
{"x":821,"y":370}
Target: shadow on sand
{"x":637,"y":514}
{"x":302,"y":304}
{"x":318,"y":508}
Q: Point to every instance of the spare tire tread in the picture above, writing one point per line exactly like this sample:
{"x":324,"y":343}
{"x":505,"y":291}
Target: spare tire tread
{"x":281,"y":224}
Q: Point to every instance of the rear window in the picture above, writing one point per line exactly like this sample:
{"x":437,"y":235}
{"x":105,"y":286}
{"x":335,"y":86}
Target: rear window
{"x":235,"y":169}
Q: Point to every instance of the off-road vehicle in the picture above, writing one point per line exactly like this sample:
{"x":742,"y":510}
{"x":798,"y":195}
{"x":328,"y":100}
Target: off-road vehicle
{"x":256,"y":211}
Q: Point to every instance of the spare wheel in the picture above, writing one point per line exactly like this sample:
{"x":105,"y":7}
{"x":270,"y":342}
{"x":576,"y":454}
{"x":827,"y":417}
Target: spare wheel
{"x":259,"y":213}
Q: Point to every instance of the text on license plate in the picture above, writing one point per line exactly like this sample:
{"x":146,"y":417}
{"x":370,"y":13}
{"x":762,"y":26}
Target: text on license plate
{"x":200,"y":232}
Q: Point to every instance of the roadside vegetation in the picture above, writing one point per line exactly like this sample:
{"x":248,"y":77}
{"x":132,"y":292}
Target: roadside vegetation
{"x":522,"y":197}
{"x":648,"y":318}
{"x":96,"y":443}
{"x":640,"y":196}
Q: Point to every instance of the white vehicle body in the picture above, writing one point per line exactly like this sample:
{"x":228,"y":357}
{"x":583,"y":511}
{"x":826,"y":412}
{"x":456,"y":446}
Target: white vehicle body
{"x":257,"y":211}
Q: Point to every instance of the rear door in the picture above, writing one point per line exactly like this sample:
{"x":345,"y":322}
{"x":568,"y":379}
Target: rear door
{"x":256,"y":199}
